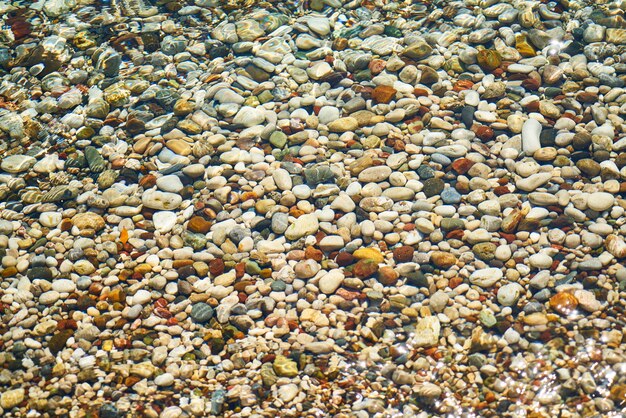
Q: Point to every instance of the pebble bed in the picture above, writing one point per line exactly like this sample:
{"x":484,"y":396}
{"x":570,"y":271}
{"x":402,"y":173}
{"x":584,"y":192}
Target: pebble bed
{"x":322,"y":208}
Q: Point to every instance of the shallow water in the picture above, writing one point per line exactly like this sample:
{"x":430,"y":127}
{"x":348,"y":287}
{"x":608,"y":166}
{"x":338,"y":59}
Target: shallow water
{"x":312,"y":208}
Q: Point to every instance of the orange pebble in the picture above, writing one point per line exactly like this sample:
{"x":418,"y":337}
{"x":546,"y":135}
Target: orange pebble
{"x":124,"y":236}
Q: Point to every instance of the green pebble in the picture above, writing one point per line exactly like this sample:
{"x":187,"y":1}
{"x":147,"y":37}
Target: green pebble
{"x":278,"y":139}
{"x":374,"y":295}
{"x":392,"y":31}
{"x":252,"y":267}
{"x":285,"y":367}
{"x":266,"y":96}
{"x":85,"y":132}
{"x":487,"y":318}
{"x":363,"y":75}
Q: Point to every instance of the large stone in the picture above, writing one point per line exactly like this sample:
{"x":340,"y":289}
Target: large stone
{"x":531,"y":183}
{"x":201,"y":312}
{"x":249,"y":116}
{"x":319,"y":25}
{"x":17,"y":163}
{"x":383,"y":94}
{"x":443,"y":259}
{"x":164,"y":221}
{"x":486,"y":277}
{"x":375,"y":174}
{"x":88,"y":221}
{"x":285,"y":367}
{"x":417,"y":50}
{"x":305,"y":225}
{"x":288,"y":392}
{"x":600,"y":201}
{"x":331,"y":281}
{"x":155,"y":199}
{"x":369,"y":254}
{"x":616,"y":36}
{"x":531,"y":131}
{"x":171,"y":183}
{"x":426,"y":332}
{"x":249,"y":30}
{"x":12,"y":398}
{"x":344,"y":125}
{"x":50,"y":219}
{"x":319,"y":70}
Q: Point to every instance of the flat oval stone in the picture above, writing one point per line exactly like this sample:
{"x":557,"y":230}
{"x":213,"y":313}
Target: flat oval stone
{"x":155,"y":199}
{"x":486,"y":277}
{"x":17,"y":163}
{"x":600,"y":201}
{"x":375,"y":174}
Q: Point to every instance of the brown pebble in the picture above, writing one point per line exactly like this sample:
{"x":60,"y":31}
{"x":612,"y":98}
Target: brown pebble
{"x":564,"y":303}
{"x":365,"y":268}
{"x":311,"y":253}
{"x":587,"y":97}
{"x":344,"y":259}
{"x":483,"y":132}
{"x":58,"y":340}
{"x":388,"y":276}
{"x":462,"y":165}
{"x":443,"y":259}
{"x":403,"y":254}
{"x":383,"y":94}
{"x":216,"y":267}
{"x":65,"y":225}
{"x":148,"y":181}
{"x":199,"y":225}
{"x":143,"y":269}
{"x":376,"y":66}
{"x":9,"y":272}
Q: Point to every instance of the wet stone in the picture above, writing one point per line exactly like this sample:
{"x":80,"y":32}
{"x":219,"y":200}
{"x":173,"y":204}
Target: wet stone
{"x":94,"y":160}
{"x":201,"y":313}
{"x":58,"y":340}
{"x":433,"y":187}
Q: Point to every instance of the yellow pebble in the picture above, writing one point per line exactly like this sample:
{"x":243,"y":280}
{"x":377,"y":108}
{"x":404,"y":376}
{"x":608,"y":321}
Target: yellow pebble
{"x":369,"y":253}
{"x":107,"y":345}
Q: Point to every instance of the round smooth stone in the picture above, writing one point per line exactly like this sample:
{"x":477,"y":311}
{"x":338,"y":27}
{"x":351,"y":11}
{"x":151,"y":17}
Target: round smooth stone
{"x":509,"y":294}
{"x":600,"y":201}
{"x":17,"y":163}
{"x":201,"y":312}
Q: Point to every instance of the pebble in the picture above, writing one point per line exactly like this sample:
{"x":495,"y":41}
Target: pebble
{"x":486,"y":277}
{"x":531,"y":131}
{"x":17,"y":163}
{"x":285,"y":367}
{"x":12,"y":398}
{"x":248,"y":116}
{"x":600,"y":201}
{"x":158,"y":200}
{"x":141,"y":297}
{"x":50,"y":219}
{"x":426,"y":332}
{"x":307,"y":224}
{"x":201,"y":312}
{"x":346,"y":124}
{"x":164,"y":221}
{"x":509,"y":294}
{"x":288,"y":392}
{"x":331,"y":281}
{"x":165,"y":379}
